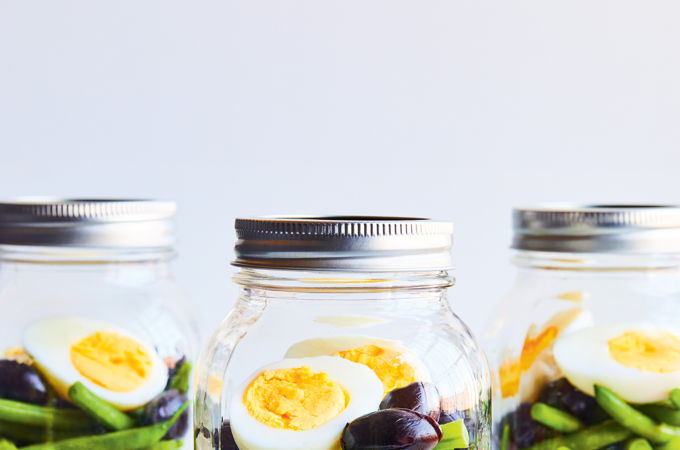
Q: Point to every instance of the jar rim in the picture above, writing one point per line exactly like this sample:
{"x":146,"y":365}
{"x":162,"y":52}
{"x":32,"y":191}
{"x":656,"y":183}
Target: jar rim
{"x":343,"y":243}
{"x":88,"y":223}
{"x":358,"y":281}
{"x":617,"y":229}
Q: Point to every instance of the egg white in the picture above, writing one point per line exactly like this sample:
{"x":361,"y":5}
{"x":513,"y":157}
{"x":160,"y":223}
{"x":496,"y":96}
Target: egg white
{"x":332,"y":345}
{"x":577,"y":320}
{"x":364,"y":391}
{"x":583,"y":356}
{"x":49,"y":343}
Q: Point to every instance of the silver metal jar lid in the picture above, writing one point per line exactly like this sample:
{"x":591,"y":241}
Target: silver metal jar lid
{"x":87,"y":223}
{"x":625,"y":229}
{"x":344,"y":243}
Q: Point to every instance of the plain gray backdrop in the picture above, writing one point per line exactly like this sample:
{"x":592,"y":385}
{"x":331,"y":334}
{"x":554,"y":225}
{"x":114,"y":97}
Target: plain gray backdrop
{"x":449,"y":109}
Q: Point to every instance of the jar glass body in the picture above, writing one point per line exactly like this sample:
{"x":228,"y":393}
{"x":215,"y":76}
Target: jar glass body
{"x":558,"y":296}
{"x":65,"y":295}
{"x":279,"y":308}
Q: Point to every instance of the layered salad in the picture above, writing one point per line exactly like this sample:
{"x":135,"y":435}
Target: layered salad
{"x":77,"y":383}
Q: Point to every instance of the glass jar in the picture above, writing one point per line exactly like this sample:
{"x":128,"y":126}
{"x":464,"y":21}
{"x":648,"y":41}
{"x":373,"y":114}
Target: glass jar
{"x":591,"y":323}
{"x":342,"y":336}
{"x":94,"y":331}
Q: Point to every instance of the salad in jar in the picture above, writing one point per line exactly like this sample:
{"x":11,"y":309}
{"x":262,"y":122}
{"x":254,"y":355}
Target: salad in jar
{"x":77,"y":383}
{"x":590,"y":386}
{"x":354,"y":392}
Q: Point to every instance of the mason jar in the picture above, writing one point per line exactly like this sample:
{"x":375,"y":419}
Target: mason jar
{"x":588,"y":338}
{"x":342,"y":336}
{"x":95,"y":345}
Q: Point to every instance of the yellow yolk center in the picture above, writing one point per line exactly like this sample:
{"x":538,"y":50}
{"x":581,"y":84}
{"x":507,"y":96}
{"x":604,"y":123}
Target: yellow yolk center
{"x":294,"y":399}
{"x":112,"y":361}
{"x":647,"y":350}
{"x":387,"y":364}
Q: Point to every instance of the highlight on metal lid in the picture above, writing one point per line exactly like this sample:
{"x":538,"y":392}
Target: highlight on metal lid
{"x":87,"y":223}
{"x":625,"y":229}
{"x":344,"y":243}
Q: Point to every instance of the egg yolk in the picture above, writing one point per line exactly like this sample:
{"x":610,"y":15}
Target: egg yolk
{"x":294,"y":399}
{"x":388,"y":365}
{"x":511,"y":370}
{"x":112,"y":361}
{"x":647,"y":350}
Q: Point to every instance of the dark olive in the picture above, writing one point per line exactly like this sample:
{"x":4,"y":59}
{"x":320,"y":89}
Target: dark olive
{"x":524,"y":430}
{"x":22,"y":383}
{"x":421,"y":397}
{"x":227,"y":437}
{"x":450,"y":416}
{"x":392,"y":429}
{"x":563,"y":395}
{"x":162,"y":408}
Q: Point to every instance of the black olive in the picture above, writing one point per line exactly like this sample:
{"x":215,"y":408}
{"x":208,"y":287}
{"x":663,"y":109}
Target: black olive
{"x":563,"y":395}
{"x":22,"y":383}
{"x":162,"y":408}
{"x":227,"y":437}
{"x":421,"y":397}
{"x":450,"y":416}
{"x":392,"y":429}
{"x":524,"y":430}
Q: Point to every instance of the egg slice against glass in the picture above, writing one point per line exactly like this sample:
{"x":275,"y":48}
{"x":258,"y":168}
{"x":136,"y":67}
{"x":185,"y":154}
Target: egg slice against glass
{"x":647,"y":375}
{"x":395,"y":365}
{"x":140,"y":373}
{"x":361,"y":393}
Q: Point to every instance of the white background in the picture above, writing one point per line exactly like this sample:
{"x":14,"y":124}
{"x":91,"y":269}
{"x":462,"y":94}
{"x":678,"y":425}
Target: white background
{"x":444,"y":108}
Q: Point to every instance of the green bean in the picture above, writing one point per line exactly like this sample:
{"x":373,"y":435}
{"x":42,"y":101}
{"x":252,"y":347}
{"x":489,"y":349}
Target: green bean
{"x":59,"y":419}
{"x":660,"y":413}
{"x":555,"y":418}
{"x":165,"y":445}
{"x":28,"y":434}
{"x":134,"y":438}
{"x":7,"y":445}
{"x":597,"y":436}
{"x":667,"y":403}
{"x":675,"y":397}
{"x":454,"y":435}
{"x":181,"y":379}
{"x":633,"y":419}
{"x":673,"y":444}
{"x":98,"y":408}
{"x":505,"y":437}
{"x":669,"y":431}
{"x":637,"y":444}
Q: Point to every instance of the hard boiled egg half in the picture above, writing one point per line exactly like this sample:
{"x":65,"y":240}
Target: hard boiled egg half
{"x":641,"y":364}
{"x":302,"y":404}
{"x":113,"y":363}
{"x":394,"y":364}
